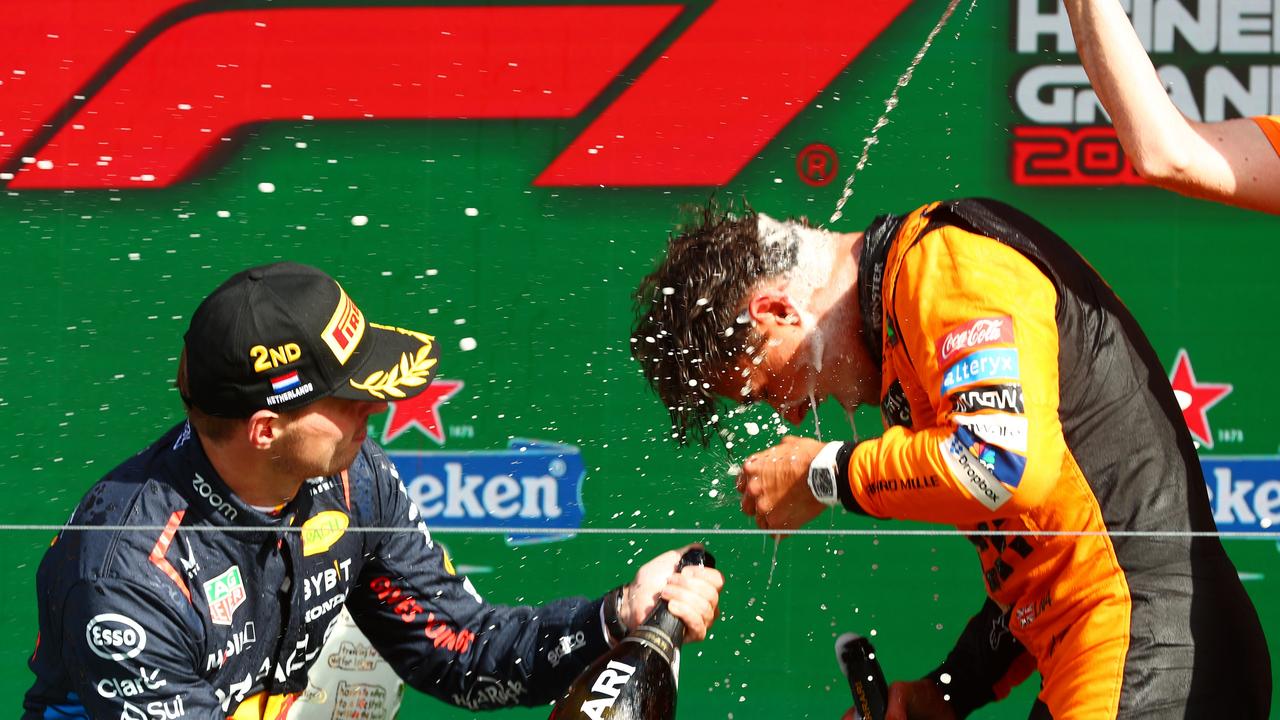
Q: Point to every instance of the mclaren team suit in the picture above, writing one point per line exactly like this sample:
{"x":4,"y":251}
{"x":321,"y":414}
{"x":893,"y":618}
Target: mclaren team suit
{"x":1020,"y":396}
{"x":1270,"y":126}
{"x":201,"y":617}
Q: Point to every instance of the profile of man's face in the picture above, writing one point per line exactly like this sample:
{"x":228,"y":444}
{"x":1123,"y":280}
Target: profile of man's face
{"x":322,"y":438}
{"x":776,"y":374}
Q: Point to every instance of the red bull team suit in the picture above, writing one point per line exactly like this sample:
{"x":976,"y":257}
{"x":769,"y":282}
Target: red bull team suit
{"x":178,"y":603}
{"x":1020,"y":398}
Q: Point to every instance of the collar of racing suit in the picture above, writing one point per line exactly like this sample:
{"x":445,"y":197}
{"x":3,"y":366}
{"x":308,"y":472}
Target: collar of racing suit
{"x":217,"y":504}
{"x":876,"y":242}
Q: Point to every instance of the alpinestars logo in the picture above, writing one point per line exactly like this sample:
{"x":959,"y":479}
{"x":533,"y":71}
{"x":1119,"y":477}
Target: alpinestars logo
{"x":86,"y":103}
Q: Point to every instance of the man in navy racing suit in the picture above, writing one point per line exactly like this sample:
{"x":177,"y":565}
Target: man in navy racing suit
{"x":213,"y":565}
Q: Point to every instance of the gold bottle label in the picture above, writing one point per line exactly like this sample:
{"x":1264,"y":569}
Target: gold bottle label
{"x":654,"y":638}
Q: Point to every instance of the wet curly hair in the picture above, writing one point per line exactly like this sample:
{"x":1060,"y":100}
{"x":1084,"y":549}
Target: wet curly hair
{"x":690,"y":312}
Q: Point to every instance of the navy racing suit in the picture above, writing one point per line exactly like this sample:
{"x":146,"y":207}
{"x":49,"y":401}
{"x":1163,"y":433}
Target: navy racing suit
{"x":181,"y":605}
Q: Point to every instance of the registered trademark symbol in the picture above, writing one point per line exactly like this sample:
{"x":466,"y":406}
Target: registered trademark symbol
{"x":816,"y":164}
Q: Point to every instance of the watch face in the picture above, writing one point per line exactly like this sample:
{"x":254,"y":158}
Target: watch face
{"x":823,"y":483}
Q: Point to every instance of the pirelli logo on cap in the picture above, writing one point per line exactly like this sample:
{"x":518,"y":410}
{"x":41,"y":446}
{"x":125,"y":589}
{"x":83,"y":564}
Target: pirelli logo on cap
{"x":345,"y":328}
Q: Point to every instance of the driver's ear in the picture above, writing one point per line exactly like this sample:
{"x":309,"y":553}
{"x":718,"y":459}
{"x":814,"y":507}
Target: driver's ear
{"x":772,"y":306}
{"x":263,"y":429}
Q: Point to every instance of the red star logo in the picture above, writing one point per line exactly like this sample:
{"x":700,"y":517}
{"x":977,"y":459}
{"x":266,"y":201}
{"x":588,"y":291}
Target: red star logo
{"x":1195,"y":398}
{"x":421,"y":411}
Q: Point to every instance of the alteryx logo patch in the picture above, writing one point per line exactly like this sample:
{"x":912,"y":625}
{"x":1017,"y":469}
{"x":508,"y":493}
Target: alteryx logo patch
{"x":1244,"y":492}
{"x":529,"y":485}
{"x":981,"y":366}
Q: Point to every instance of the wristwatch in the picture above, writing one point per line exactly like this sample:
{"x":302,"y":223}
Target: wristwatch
{"x":824,"y":472}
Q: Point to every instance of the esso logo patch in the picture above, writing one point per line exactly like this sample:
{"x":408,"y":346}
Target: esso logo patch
{"x":115,"y":637}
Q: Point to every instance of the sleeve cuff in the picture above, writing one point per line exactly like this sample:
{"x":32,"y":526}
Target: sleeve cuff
{"x":611,"y":623}
{"x":844,"y":491}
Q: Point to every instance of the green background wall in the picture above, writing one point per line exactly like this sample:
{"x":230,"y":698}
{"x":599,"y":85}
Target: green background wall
{"x":100,"y":285}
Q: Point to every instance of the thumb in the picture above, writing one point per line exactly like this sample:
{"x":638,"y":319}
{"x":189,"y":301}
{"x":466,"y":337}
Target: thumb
{"x":896,"y":707}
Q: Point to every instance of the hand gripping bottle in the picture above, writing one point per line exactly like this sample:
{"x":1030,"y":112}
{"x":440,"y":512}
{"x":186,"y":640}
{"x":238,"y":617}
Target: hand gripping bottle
{"x":858,"y":661}
{"x":636,"y":680}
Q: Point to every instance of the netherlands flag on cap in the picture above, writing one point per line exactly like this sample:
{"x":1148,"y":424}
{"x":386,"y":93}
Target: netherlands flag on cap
{"x":284,"y":382}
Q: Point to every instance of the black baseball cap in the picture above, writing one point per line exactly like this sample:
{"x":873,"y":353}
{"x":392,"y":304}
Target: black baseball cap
{"x":284,"y":335}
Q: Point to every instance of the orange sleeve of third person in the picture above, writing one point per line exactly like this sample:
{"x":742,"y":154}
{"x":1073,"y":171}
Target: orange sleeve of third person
{"x":977,"y":337}
{"x":1270,"y":125}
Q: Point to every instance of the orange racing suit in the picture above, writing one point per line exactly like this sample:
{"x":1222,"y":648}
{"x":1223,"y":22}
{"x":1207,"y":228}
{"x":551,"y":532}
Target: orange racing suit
{"x":1270,"y":125}
{"x":1020,"y":398}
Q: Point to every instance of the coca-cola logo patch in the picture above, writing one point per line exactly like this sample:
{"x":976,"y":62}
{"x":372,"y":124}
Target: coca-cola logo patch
{"x":976,"y":333}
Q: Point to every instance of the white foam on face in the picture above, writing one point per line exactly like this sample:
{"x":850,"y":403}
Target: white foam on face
{"x":813,"y":250}
{"x":813,"y":253}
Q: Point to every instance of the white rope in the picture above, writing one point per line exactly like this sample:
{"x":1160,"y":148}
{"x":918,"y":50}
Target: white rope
{"x":834,"y":532}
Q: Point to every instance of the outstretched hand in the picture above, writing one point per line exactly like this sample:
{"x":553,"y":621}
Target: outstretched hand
{"x":692,"y":595}
{"x":774,"y":484}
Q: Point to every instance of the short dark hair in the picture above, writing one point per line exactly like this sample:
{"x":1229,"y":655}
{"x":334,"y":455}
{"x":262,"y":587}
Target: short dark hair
{"x":690,"y":322}
{"x":210,"y":427}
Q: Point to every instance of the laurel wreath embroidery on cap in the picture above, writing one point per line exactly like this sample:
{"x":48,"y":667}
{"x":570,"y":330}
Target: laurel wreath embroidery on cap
{"x":411,"y":371}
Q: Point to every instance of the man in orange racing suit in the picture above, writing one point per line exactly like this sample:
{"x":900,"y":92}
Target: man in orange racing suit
{"x":1020,"y":399}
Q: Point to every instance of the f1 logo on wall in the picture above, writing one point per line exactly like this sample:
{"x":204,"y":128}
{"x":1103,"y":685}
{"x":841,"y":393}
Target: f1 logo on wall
{"x":531,"y":485}
{"x":140,"y":93}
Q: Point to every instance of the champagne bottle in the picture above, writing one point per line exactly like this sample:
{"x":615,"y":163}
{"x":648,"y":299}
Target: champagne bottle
{"x":857,"y":659}
{"x":636,"y":679}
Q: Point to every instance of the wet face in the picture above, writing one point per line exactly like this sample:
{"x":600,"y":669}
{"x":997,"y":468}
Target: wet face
{"x":779,"y":374}
{"x":323,"y":438}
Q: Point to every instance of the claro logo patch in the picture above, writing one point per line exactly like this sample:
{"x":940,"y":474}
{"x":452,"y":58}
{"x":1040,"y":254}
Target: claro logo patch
{"x":115,"y":637}
{"x":319,"y":533}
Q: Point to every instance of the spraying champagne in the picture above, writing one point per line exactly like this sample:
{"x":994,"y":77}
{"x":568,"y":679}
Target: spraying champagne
{"x":857,"y":659}
{"x":636,"y":680}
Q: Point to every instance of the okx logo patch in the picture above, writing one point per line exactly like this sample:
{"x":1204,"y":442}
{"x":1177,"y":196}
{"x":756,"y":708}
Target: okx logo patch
{"x":225,"y":593}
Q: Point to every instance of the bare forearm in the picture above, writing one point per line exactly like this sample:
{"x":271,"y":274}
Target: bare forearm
{"x":1229,"y":161}
{"x":1151,"y":129}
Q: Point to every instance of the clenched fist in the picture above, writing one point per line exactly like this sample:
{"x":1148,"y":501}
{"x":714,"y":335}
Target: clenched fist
{"x":774,"y":484}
